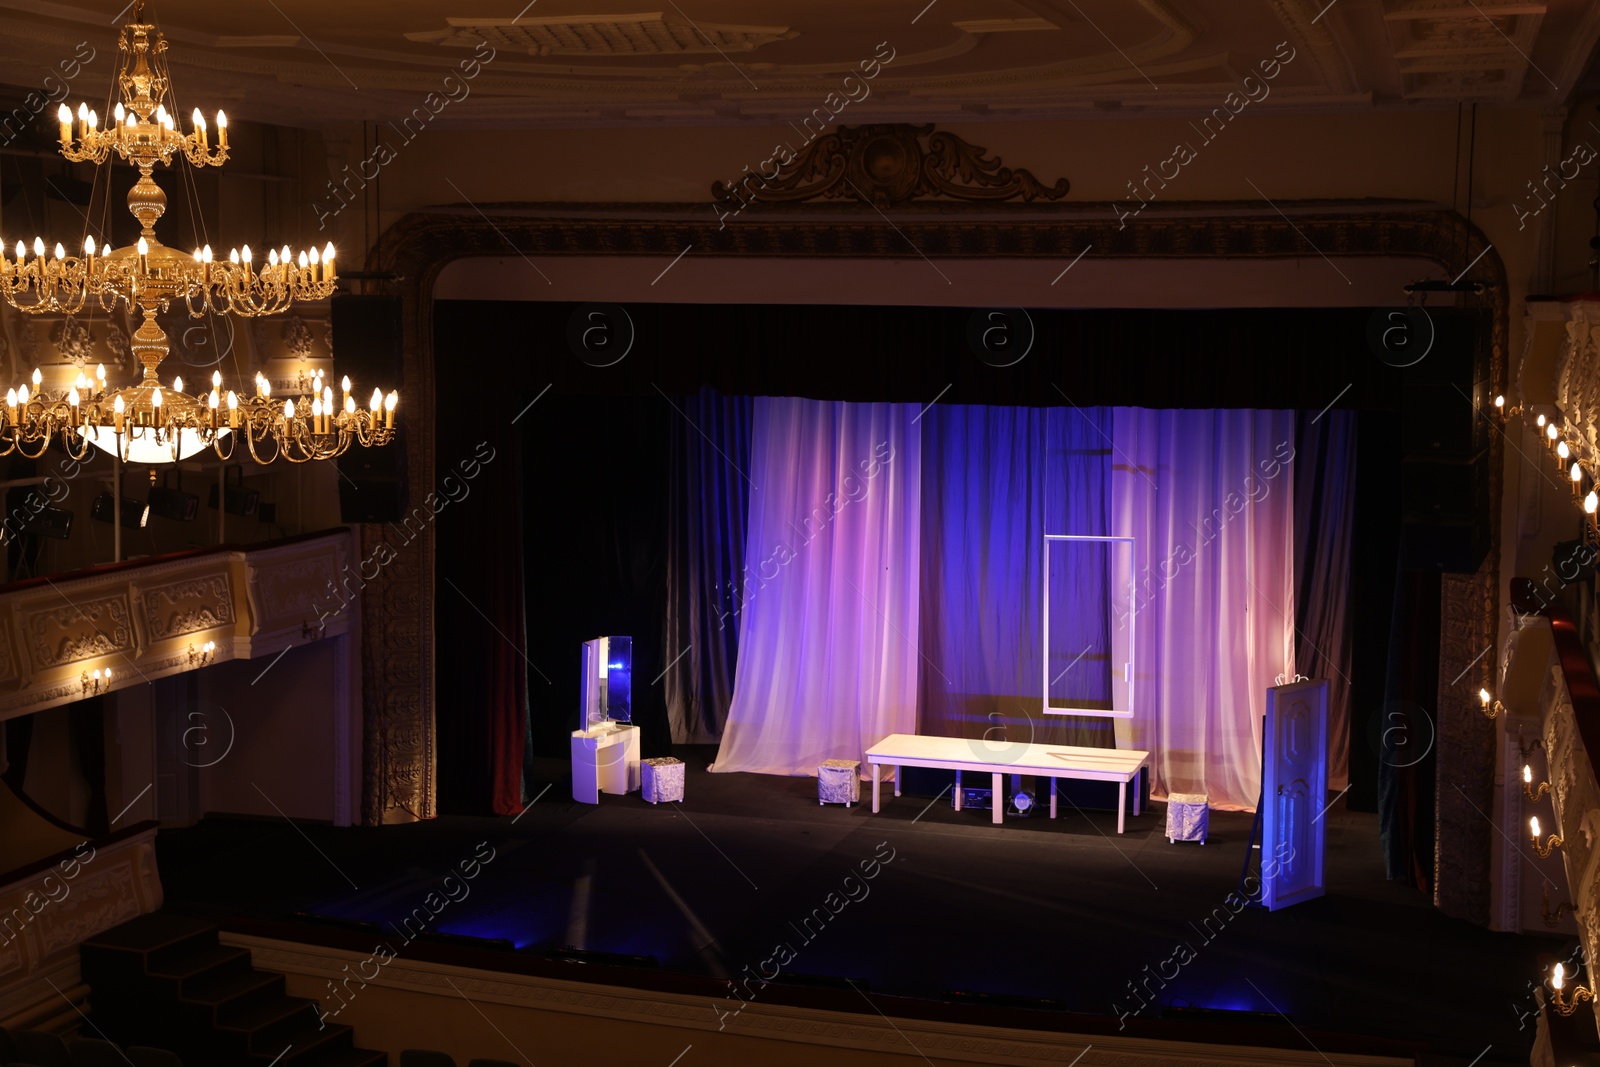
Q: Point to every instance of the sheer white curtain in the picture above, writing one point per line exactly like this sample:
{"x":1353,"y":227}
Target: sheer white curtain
{"x":1209,"y":495}
{"x":828,"y":630}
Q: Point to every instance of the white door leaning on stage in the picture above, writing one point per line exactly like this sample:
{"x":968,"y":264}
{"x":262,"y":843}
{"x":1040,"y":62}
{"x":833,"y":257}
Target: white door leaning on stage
{"x":1294,"y":790}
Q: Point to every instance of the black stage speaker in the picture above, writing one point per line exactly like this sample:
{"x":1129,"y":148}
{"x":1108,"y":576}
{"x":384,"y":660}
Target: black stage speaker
{"x":1444,"y":440}
{"x":367,"y":346}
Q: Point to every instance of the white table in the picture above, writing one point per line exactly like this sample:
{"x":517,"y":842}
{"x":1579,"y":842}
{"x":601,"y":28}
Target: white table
{"x":605,"y":759}
{"x":1000,"y":758}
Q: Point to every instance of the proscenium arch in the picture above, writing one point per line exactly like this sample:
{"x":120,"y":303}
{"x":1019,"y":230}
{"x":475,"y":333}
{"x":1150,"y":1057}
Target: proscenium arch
{"x":397,"y":650}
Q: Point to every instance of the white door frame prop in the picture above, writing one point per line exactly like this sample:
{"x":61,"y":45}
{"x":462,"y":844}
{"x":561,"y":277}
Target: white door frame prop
{"x":959,"y":754}
{"x":1133,"y":611}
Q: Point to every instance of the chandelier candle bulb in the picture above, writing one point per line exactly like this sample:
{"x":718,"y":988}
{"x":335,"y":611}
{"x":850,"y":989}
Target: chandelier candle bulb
{"x":222,"y":131}
{"x":65,"y":115}
{"x":233,"y":410}
{"x":118,"y":414}
{"x":388,"y":410}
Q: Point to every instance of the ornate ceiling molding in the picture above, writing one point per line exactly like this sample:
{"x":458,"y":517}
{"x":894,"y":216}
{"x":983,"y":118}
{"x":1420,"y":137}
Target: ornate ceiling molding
{"x":653,"y":34}
{"x":886,"y":165}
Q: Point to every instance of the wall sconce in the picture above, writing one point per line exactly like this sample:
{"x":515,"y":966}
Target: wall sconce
{"x":1527,"y":785}
{"x":99,"y":682}
{"x":1566,"y":1005}
{"x":1549,"y":846}
{"x":1491,"y":707}
{"x":1506,"y":412}
{"x":199,"y":657}
{"x":1527,"y":749}
{"x":1552,"y":918}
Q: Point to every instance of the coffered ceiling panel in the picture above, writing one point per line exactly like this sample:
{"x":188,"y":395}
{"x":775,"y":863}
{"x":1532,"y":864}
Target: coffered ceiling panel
{"x":567,"y":62}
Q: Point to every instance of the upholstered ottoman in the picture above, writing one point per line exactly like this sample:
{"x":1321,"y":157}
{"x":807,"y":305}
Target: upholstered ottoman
{"x":1188,"y":817}
{"x":662,"y":779}
{"x":839,"y":782}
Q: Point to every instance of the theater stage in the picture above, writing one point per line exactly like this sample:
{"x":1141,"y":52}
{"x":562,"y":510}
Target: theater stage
{"x":1064,"y":912}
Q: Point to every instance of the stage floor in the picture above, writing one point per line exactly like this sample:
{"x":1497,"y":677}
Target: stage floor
{"x":1064,"y":910}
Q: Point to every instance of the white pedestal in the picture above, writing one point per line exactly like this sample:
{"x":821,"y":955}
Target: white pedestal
{"x":605,"y":759}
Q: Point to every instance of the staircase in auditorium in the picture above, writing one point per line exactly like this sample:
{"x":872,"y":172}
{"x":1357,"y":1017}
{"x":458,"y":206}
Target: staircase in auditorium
{"x":164,"y":980}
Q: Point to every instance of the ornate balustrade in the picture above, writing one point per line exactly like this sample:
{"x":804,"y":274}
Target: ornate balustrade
{"x":150,"y":618}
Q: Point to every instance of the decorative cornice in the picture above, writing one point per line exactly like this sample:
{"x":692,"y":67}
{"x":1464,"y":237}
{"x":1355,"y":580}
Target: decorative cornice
{"x":886,"y":165}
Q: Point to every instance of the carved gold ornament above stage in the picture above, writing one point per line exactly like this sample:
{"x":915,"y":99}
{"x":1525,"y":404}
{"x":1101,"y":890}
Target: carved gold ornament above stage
{"x":147,"y":422}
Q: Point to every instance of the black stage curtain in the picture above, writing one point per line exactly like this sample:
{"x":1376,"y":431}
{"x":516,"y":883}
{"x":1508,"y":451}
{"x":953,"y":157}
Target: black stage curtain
{"x":1324,"y":525}
{"x":707,"y":515}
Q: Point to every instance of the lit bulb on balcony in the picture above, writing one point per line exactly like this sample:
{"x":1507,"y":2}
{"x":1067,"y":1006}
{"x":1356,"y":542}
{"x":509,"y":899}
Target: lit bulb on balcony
{"x":1563,"y":451}
{"x":1577,"y":474}
{"x":1527,"y":774}
{"x":1550,"y":431}
{"x":1539,"y":421}
{"x":1533,"y":824}
{"x":1591,"y":502}
{"x":1559,"y":975}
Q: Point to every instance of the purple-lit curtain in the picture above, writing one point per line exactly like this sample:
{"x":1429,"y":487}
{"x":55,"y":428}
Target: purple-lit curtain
{"x":1324,"y":517}
{"x":708,"y":505}
{"x":995,"y":480}
{"x":1209,"y":497}
{"x":828,"y":618}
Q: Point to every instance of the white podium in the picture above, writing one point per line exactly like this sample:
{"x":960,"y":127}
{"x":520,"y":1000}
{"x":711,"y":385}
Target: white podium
{"x":605,"y":759}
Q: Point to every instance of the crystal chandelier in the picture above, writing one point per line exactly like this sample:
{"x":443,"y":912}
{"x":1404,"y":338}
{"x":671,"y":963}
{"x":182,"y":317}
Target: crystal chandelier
{"x":150,"y":423}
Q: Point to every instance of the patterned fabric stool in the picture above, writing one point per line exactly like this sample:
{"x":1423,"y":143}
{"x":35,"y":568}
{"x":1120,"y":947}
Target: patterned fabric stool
{"x":839,"y":782}
{"x":662,"y":779}
{"x":1188,"y":817}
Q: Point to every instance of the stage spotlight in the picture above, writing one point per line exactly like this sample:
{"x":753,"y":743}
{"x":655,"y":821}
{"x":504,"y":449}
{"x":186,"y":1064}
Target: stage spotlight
{"x":173,"y":504}
{"x":1022,"y":803}
{"x":239,"y":500}
{"x":51,"y":522}
{"x":135,"y":514}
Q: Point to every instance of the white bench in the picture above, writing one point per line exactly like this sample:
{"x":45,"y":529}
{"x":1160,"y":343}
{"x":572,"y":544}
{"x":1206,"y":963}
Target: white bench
{"x":1000,"y":758}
